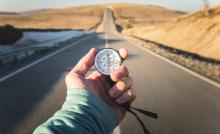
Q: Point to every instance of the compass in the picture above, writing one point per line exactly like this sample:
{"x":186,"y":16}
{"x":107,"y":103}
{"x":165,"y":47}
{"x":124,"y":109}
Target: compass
{"x":107,"y":60}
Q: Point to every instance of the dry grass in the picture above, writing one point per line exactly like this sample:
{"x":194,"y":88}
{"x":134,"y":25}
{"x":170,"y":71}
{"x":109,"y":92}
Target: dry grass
{"x":135,"y":15}
{"x":88,"y":17}
{"x":198,"y":33}
{"x":85,"y":17}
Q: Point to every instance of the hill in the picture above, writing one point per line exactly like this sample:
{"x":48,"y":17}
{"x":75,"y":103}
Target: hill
{"x":135,"y":15}
{"x":85,"y":17}
{"x":198,"y":33}
{"x":8,"y":13}
{"x":32,"y":12}
{"x":89,"y":17}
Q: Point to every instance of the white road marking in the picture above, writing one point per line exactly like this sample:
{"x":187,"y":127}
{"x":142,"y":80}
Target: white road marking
{"x":41,"y":59}
{"x":106,"y":41}
{"x":177,"y":65}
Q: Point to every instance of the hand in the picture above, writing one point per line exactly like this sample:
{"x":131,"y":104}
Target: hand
{"x":97,"y":83}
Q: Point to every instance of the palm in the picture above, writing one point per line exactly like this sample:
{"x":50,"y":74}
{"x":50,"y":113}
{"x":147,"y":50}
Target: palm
{"x":95,"y":82}
{"x":99,"y":85}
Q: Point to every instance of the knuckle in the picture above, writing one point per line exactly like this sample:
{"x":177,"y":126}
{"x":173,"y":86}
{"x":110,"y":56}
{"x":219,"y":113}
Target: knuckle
{"x":123,"y":71}
{"x":120,"y":73}
{"x":121,"y":85}
{"x":133,"y":93}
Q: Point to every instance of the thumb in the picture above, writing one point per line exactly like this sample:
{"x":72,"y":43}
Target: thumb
{"x":85,"y":63}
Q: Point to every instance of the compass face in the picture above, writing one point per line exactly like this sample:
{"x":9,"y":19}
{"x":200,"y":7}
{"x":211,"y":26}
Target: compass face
{"x":107,"y":60}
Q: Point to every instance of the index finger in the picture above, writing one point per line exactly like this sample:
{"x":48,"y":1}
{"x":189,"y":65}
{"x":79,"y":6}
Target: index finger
{"x":123,"y":53}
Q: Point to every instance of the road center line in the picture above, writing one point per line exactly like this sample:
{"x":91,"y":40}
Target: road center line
{"x":42,"y":59}
{"x":106,"y":41}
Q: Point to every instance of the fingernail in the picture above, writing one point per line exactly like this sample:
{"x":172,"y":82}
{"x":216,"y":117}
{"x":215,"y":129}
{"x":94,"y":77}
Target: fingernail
{"x":120,"y":100}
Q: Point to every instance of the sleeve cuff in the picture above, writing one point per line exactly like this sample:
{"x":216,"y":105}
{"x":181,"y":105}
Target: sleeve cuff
{"x":87,"y":103}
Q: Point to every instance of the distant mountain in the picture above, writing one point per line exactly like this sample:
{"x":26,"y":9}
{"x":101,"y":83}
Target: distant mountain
{"x":32,"y":12}
{"x":8,"y":13}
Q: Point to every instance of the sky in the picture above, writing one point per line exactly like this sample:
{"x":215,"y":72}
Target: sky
{"x":25,"y":5}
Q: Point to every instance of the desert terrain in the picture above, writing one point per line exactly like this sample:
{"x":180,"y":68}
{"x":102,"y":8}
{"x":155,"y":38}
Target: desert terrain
{"x":89,"y":17}
{"x":138,"y":16}
{"x":197,"y":33}
{"x":126,"y":16}
{"x":85,"y":17}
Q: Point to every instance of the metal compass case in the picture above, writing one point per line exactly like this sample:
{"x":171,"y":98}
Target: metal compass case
{"x":107,"y":60}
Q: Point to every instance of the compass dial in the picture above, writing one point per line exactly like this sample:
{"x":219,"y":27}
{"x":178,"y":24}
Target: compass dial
{"x":107,"y":60}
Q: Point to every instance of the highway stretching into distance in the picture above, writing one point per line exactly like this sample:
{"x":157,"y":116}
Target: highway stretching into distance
{"x":185,"y":103}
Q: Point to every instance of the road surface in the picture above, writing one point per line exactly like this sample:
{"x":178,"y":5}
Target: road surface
{"x":186,"y":104}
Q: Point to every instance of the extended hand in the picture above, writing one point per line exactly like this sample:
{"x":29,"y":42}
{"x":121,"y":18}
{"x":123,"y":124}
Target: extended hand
{"x":97,"y":83}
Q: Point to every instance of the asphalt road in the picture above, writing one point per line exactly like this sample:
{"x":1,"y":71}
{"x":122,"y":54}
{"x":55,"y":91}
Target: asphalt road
{"x":186,"y":104}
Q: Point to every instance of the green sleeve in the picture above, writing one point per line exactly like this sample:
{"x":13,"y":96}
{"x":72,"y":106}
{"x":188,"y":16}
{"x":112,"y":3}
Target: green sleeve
{"x":82,"y":113}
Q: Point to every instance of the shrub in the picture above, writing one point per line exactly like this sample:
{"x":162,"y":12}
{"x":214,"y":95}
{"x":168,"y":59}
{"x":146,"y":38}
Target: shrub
{"x":9,"y":35}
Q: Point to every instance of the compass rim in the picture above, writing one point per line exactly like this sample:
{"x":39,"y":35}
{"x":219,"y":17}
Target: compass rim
{"x":121,"y":60}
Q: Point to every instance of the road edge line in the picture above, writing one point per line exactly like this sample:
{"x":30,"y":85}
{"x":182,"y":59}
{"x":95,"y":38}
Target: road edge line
{"x":210,"y":81}
{"x":42,"y":59}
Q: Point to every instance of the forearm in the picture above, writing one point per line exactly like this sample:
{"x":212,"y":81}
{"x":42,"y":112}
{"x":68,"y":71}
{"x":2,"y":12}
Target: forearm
{"x":83,"y":112}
